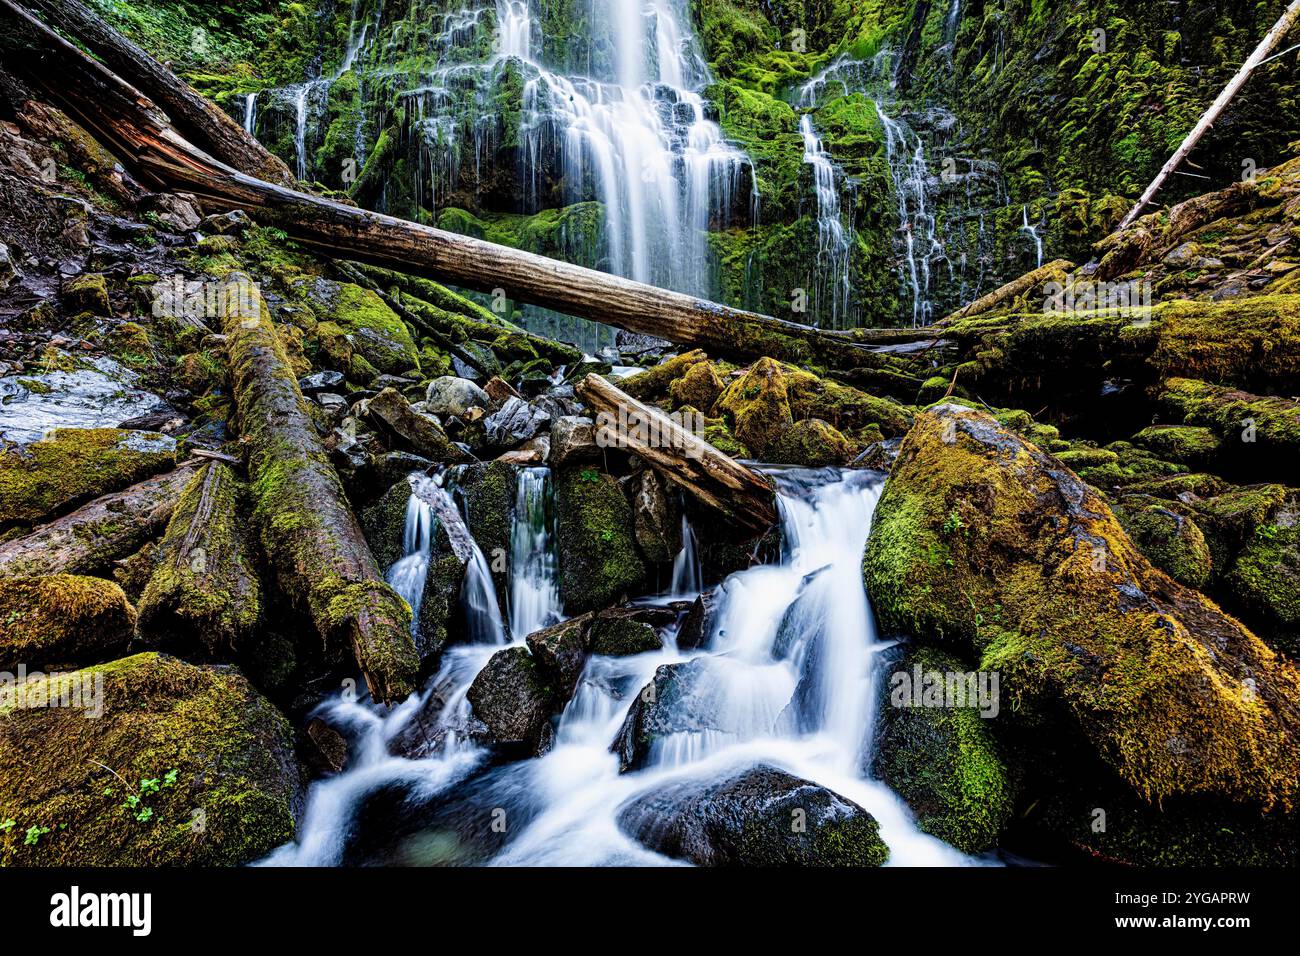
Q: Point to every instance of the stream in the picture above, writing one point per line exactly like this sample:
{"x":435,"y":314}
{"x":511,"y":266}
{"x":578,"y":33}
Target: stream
{"x":788,"y":678}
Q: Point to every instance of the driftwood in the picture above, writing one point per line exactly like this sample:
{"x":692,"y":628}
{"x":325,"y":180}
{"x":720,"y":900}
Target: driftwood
{"x":135,"y":129}
{"x":718,"y":481}
{"x":92,"y":538}
{"x":1271,"y":39}
{"x":205,"y":584}
{"x":196,"y":118}
{"x":308,"y":531}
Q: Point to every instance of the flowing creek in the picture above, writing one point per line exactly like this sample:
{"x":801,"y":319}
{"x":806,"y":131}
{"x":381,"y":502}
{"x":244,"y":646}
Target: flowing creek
{"x":791,"y":671}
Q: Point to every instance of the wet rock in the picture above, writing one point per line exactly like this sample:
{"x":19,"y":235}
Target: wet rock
{"x":599,"y":560}
{"x":942,"y":760}
{"x":512,"y":698}
{"x":449,"y":395}
{"x":573,"y":441}
{"x":758,"y":817}
{"x":321,"y":382}
{"x":517,"y":421}
{"x":620,"y":633}
{"x":62,"y":620}
{"x":103,"y":395}
{"x":499,"y":391}
{"x":9,"y":270}
{"x":234,"y":222}
{"x":393,"y":415}
{"x":879,"y":456}
{"x":681,"y":699}
{"x":1092,"y":642}
{"x":535,"y":451}
{"x":697,"y":626}
{"x":335,"y":406}
{"x":488,"y":493}
{"x":561,"y":652}
{"x":87,"y":293}
{"x":329,"y":748}
{"x":1169,"y":538}
{"x":356,"y":322}
{"x":208,"y":739}
{"x":384,"y":523}
{"x":657,"y":517}
{"x":812,"y":443}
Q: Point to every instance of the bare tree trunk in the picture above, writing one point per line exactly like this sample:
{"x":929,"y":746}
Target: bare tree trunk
{"x":1271,"y":39}
{"x":199,"y":120}
{"x":718,"y":481}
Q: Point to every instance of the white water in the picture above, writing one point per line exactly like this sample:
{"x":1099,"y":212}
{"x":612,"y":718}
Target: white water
{"x":688,"y":577}
{"x":534,"y":578}
{"x":1032,"y":232}
{"x":833,"y":240}
{"x":250,"y":112}
{"x":918,"y":241}
{"x":790,"y":676}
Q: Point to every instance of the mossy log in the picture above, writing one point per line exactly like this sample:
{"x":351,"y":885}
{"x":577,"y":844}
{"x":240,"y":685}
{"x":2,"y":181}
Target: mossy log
{"x":1013,"y":290}
{"x":198,"y":119}
{"x":134,"y":128}
{"x":679,"y":454}
{"x":307,"y":528}
{"x":205,"y":583}
{"x":90,"y":539}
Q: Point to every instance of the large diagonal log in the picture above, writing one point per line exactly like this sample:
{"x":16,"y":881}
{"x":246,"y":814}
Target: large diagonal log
{"x":200,"y":120}
{"x":134,"y":128}
{"x":720,"y":482}
{"x":307,"y":529}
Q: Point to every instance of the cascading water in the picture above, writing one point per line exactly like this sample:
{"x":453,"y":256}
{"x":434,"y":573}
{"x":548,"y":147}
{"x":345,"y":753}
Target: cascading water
{"x":918,"y":241}
{"x":789,"y":677}
{"x":250,"y":112}
{"x":833,"y":240}
{"x":1032,"y":232}
{"x":534,"y":578}
{"x":688,"y":576}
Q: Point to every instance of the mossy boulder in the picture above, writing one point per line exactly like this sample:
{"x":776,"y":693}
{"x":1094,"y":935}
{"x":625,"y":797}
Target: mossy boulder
{"x":514,"y":699}
{"x":699,"y":387}
{"x":986,"y":544}
{"x":372,"y":329}
{"x":1169,"y":538}
{"x":1248,"y":342}
{"x":942,"y":760}
{"x":758,"y":817}
{"x":599,"y":560}
{"x":812,"y":443}
{"x":87,"y":293}
{"x":62,"y":620}
{"x":1259,"y":434}
{"x":1185,"y":444}
{"x":186,"y":766}
{"x":561,"y":652}
{"x":74,"y":465}
{"x":619,"y":635}
{"x":1265,"y":578}
{"x":487,"y":494}
{"x":655,"y":382}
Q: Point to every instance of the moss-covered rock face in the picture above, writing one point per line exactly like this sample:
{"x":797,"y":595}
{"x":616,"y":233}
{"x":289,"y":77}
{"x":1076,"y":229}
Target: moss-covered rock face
{"x":62,"y":620}
{"x":599,"y":560}
{"x":487,"y":492}
{"x":1169,"y":538}
{"x":513,"y":698}
{"x":74,"y":465}
{"x":814,"y":444}
{"x":745,"y":820}
{"x":1259,"y":434}
{"x":374,"y":331}
{"x":942,"y":760}
{"x":986,"y":544}
{"x":186,"y":766}
{"x":1265,"y":578}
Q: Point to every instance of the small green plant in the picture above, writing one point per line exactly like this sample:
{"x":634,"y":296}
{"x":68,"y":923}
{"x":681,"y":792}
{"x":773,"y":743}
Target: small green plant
{"x":589,"y":474}
{"x":34,"y":835}
{"x":953,"y":523}
{"x":7,"y":825}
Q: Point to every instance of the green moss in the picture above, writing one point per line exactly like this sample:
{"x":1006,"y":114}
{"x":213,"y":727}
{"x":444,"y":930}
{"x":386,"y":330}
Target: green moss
{"x":74,"y":465}
{"x":813,"y":443}
{"x":599,"y":561}
{"x":1265,"y":579}
{"x":87,"y":293}
{"x":943,"y":761}
{"x":617,"y":636}
{"x":1184,"y":444}
{"x":62,"y":619}
{"x":1169,"y":538}
{"x":235,"y":776}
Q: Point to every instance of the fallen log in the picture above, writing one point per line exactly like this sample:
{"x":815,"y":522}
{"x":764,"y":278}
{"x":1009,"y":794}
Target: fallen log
{"x":307,"y":529}
{"x":1271,"y":39}
{"x":89,"y":540}
{"x":205,"y":583}
{"x":201,"y":121}
{"x":722,"y":483}
{"x":1053,"y":271}
{"x":132,"y":127}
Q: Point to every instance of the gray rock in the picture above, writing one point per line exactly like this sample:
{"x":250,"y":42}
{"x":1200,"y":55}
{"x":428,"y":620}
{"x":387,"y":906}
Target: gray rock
{"x":759,"y":817}
{"x":8,"y":268}
{"x":697,"y":628}
{"x":177,"y":211}
{"x":680,"y":698}
{"x":236,"y":221}
{"x":320,"y":382}
{"x":516,"y":422}
{"x":573,"y":440}
{"x":657,"y":517}
{"x":512,"y":698}
{"x":449,"y":395}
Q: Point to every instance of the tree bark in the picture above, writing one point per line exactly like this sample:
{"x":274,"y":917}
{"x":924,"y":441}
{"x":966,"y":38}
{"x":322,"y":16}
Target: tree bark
{"x":1271,"y":39}
{"x":133,"y":127}
{"x":205,"y":583}
{"x":199,"y":120}
{"x":307,"y":529}
{"x":92,"y":538}
{"x":718,"y":481}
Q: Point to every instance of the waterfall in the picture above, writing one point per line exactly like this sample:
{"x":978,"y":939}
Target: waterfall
{"x":534,"y":585}
{"x":833,"y":240}
{"x":250,"y":112}
{"x":918,"y":241}
{"x":789,"y":677}
{"x":688,"y":578}
{"x":1032,"y":232}
{"x":408,"y":575}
